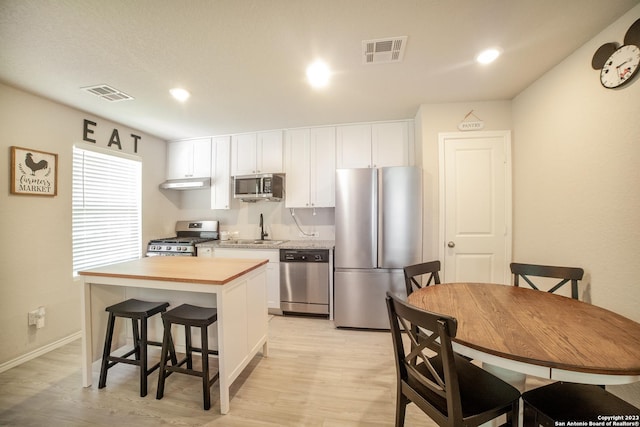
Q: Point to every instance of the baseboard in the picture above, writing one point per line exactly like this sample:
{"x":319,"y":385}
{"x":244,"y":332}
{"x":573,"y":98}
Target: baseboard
{"x":39,"y":352}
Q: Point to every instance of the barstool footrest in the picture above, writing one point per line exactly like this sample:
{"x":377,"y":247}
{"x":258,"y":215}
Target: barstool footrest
{"x":113,"y":360}
{"x":199,"y":350}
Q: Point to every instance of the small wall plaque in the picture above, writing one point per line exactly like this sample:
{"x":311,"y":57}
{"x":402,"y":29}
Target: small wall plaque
{"x":33,"y":172}
{"x":471,"y":125}
{"x":476,"y":124}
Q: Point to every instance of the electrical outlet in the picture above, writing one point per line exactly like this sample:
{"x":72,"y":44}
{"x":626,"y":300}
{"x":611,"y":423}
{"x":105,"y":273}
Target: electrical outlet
{"x":33,"y":317}
{"x":40,"y":319}
{"x":36,"y":318}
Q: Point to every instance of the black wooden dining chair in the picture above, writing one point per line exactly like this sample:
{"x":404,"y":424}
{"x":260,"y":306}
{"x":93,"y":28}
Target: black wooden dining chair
{"x":561,"y":401}
{"x":564,"y":274}
{"x":554,"y":403}
{"x":447,"y":387}
{"x":414,"y":275}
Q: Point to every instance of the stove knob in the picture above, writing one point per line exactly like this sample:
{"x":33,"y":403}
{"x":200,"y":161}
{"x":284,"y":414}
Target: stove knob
{"x":168,"y":248}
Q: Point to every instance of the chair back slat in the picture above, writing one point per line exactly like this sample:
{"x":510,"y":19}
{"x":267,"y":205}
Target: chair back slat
{"x":414,"y":275}
{"x":564,"y":274}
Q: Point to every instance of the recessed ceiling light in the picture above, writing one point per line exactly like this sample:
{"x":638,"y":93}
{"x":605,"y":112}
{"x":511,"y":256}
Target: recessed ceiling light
{"x":180,"y":94}
{"x":318,"y":74}
{"x":488,"y":56}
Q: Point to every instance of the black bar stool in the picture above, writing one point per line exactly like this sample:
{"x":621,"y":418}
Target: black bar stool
{"x":188,"y":316}
{"x":137,"y":311}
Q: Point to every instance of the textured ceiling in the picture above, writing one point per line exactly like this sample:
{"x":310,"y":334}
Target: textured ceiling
{"x":244,"y":60}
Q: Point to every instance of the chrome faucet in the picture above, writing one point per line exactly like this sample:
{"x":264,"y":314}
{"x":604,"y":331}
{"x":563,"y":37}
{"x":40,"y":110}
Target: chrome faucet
{"x":262,"y":232}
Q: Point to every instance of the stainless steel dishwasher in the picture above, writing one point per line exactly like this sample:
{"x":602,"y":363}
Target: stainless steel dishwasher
{"x":304,"y":281}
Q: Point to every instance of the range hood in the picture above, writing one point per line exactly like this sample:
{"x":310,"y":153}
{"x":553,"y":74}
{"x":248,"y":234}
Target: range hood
{"x":186,"y":184}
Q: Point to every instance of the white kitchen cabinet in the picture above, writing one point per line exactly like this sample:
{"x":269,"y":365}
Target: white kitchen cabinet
{"x":390,"y":144}
{"x":373,"y":145}
{"x":253,"y":153}
{"x":243,"y":154}
{"x":310,"y":167}
{"x":220,"y":172}
{"x":353,"y":146}
{"x":189,"y":159}
{"x":273,"y":268}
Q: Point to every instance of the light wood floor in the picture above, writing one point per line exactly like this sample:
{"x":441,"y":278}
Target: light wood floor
{"x":315,"y":375}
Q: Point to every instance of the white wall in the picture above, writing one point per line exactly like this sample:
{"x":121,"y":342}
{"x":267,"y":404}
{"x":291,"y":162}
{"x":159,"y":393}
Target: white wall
{"x":576,"y":179}
{"x":35,"y":255}
{"x":576,"y":157}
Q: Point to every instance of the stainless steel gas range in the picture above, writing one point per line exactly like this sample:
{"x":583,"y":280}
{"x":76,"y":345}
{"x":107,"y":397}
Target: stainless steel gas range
{"x":188,"y":234}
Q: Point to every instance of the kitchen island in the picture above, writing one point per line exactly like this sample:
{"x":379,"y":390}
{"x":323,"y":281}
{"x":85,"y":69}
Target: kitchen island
{"x":237,"y":287}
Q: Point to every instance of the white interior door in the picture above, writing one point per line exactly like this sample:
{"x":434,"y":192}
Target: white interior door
{"x":475,"y":206}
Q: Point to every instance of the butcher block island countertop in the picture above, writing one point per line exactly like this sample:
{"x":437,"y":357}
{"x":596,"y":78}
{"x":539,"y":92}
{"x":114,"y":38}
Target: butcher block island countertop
{"x":237,"y":288}
{"x":208,"y":271}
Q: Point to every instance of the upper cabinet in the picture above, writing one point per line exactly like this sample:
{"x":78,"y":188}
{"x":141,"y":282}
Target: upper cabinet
{"x":189,"y":159}
{"x":220,"y":172}
{"x":253,"y":153}
{"x":373,"y":145}
{"x":310,"y":167}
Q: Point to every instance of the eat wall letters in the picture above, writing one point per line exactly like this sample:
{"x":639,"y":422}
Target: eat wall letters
{"x":87,"y":131}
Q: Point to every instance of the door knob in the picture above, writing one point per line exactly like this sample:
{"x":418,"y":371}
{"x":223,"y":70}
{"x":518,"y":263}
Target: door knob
{"x":451,"y":244}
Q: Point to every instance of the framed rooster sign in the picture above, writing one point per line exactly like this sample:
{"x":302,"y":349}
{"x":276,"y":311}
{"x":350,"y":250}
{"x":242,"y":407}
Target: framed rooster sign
{"x":33,"y":172}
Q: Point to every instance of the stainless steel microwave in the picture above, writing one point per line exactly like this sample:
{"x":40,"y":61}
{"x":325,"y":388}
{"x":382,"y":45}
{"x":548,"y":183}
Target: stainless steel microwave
{"x":253,"y":188}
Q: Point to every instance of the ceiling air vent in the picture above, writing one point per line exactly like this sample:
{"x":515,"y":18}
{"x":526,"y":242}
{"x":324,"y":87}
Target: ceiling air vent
{"x":108,"y":93}
{"x":381,"y":51}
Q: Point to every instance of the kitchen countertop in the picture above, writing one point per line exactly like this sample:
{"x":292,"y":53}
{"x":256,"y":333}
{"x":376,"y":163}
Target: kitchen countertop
{"x":286,"y":244}
{"x":210,"y":271}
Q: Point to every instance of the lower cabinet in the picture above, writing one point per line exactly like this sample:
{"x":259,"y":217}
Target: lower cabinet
{"x":273,"y":268}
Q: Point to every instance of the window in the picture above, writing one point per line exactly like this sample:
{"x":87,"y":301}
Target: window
{"x":106,"y":214}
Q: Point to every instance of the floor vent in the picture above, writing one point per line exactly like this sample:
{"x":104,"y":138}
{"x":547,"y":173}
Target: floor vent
{"x":108,"y":93}
{"x":381,"y":51}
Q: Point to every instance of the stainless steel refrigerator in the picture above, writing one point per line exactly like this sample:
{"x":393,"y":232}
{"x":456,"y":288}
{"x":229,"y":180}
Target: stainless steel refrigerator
{"x":378,"y":233}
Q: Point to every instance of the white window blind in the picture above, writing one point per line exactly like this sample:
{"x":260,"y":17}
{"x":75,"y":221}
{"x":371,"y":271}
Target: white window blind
{"x":106,"y":209}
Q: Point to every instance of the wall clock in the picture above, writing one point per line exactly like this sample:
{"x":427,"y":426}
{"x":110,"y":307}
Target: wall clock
{"x":619,"y":65}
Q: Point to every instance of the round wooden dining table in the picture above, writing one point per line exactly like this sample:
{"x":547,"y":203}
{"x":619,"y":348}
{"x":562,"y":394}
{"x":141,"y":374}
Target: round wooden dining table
{"x":537,"y":333}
